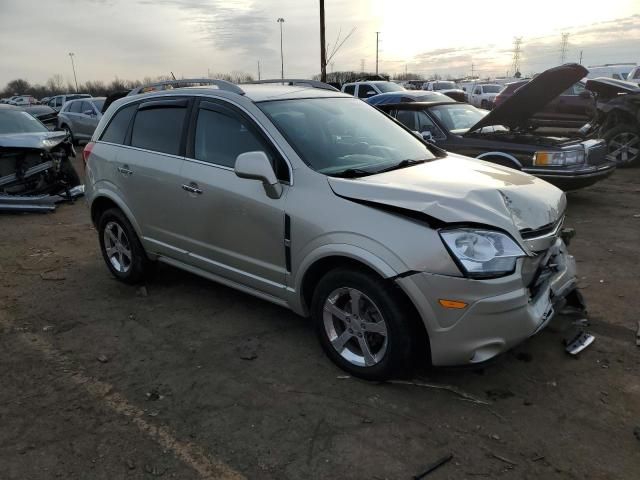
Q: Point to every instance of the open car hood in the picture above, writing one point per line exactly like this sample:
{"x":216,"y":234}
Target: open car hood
{"x":610,"y":87}
{"x":39,"y":140}
{"x":532,"y":97}
{"x":457,"y":189}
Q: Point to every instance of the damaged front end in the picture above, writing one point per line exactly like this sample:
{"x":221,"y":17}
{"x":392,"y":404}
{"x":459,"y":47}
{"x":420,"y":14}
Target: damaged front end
{"x":36,"y":171}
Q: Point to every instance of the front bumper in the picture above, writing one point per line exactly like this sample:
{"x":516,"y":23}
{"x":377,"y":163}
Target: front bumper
{"x":573,"y":179}
{"x":501,"y":312}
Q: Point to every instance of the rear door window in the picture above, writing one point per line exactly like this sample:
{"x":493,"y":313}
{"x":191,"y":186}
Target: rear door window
{"x":407,"y":118}
{"x":75,"y":107}
{"x":364,"y":90}
{"x":116,"y":131}
{"x":159,"y":128}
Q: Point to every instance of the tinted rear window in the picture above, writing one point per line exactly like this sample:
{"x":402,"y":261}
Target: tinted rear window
{"x":159,"y":129}
{"x":119,"y":124}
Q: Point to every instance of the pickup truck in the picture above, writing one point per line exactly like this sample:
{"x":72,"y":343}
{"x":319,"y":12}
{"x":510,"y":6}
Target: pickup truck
{"x":482,"y":94}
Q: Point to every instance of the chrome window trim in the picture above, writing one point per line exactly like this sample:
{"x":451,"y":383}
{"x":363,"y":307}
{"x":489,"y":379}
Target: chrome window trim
{"x":142,"y":149}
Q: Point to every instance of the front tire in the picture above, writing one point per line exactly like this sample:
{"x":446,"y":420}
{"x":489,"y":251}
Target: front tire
{"x":623,"y":143}
{"x":69,"y":133}
{"x":362,"y":325}
{"x":121,"y":249}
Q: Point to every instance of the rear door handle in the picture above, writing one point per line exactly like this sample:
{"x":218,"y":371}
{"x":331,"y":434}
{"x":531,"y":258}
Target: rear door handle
{"x":125,"y":170}
{"x":192,"y":188}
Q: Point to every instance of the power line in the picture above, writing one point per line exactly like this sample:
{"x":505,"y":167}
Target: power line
{"x":517,"y":44}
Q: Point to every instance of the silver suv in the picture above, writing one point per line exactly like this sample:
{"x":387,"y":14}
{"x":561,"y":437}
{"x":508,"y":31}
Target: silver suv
{"x":316,"y":201}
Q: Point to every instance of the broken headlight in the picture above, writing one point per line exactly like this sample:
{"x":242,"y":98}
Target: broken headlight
{"x":559,"y":158}
{"x":482,"y":253}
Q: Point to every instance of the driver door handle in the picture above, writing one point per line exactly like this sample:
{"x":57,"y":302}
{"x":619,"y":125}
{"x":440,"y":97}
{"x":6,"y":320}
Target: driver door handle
{"x":125,"y":170}
{"x":192,"y":188}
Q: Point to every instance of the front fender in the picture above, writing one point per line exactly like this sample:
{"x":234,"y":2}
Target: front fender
{"x":374,"y":262}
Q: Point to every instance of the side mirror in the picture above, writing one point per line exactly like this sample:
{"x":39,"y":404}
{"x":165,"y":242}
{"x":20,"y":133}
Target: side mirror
{"x":585,"y":94}
{"x":427,"y":135}
{"x":256,"y":166}
{"x":91,"y":113}
{"x":371,"y":93}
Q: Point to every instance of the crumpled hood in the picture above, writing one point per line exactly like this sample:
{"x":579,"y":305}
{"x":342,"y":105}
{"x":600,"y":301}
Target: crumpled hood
{"x":611,"y":87}
{"x":39,"y":140}
{"x":458,"y":189}
{"x":532,"y":97}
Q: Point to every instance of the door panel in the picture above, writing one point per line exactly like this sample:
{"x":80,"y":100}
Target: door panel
{"x":232,"y":228}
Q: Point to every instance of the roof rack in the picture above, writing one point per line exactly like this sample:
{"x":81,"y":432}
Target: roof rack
{"x":296,"y":81}
{"x":186,"y":82}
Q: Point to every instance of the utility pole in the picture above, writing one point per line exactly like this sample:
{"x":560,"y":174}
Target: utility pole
{"x":563,"y":48}
{"x":258,"y":70}
{"x":281,"y":21}
{"x":517,"y":43}
{"x":472,"y":69}
{"x":73,"y":66}
{"x":323,"y":46}
{"x":580,"y":57}
{"x":362,"y":65}
{"x":377,"y":43}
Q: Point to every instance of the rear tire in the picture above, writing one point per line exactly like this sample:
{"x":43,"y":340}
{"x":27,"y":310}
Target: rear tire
{"x":623,"y":143}
{"x":375,"y":339}
{"x":121,"y":249}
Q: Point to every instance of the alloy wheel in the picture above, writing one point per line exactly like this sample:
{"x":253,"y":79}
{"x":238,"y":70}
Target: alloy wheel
{"x":624,"y":147}
{"x":355,"y":327}
{"x":117,"y":247}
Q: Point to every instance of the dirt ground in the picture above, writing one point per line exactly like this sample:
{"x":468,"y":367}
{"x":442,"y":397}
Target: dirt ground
{"x":188,"y":379}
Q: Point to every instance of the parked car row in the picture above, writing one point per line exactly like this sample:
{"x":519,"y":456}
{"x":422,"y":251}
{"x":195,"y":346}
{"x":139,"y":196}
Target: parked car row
{"x":504,"y":135}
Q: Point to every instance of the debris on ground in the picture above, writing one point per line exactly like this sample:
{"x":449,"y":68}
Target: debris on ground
{"x":54,"y":275}
{"x":154,"y":395}
{"x":131,"y":465}
{"x":636,"y":432}
{"x":249,"y":349}
{"x":142,"y":292}
{"x":48,"y":328}
{"x":503,"y":459}
{"x":450,"y":388}
{"x":579,"y":342}
{"x":102,"y":358}
{"x":434,"y":466}
{"x":638,"y":336}
{"x":499,"y":394}
{"x":155,"y":471}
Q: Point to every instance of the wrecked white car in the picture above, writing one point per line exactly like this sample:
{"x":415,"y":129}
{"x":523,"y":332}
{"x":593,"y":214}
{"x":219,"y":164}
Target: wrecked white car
{"x":35,"y":168}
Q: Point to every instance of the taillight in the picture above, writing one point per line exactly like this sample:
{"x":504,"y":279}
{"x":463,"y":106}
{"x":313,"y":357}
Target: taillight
{"x":87,"y":151}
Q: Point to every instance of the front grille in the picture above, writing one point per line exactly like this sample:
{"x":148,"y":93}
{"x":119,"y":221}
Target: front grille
{"x":549,"y":229}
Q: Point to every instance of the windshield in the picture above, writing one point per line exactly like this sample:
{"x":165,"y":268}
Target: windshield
{"x":491,"y":88}
{"x":334,"y":135}
{"x":18,"y":121}
{"x":459,"y":118}
{"x":389,"y":87}
{"x":444,"y":86}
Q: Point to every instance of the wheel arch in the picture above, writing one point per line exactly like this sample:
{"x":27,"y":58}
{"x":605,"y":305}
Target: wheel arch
{"x":103,"y":200}
{"x":325,"y":264}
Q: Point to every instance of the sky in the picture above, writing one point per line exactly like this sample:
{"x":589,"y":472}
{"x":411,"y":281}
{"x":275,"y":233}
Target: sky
{"x":133,"y":39}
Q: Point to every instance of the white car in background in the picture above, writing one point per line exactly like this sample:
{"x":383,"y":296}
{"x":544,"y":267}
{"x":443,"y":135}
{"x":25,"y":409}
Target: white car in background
{"x":618,"y":71}
{"x":482,"y":95}
{"x":370,"y":88}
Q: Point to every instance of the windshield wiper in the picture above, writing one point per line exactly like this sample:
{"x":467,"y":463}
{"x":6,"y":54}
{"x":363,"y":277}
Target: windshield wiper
{"x":352,"y":173}
{"x":402,"y":164}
